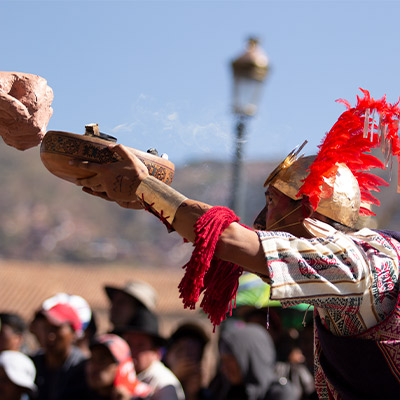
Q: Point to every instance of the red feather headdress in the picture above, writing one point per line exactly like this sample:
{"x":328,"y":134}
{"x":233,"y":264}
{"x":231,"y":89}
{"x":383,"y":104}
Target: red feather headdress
{"x":370,"y":124}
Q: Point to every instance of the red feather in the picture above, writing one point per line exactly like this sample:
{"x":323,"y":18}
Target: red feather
{"x":370,"y":182}
{"x":367,"y":197}
{"x":366,"y":212}
{"x":345,"y":143}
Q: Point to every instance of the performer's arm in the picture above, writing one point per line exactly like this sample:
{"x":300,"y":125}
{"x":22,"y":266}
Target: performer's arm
{"x":237,"y":244}
{"x":129,"y":179}
{"x":293,"y":263}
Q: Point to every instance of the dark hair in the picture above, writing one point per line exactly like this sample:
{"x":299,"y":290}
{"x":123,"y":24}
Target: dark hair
{"x":14,"y":321}
{"x":188,"y":330}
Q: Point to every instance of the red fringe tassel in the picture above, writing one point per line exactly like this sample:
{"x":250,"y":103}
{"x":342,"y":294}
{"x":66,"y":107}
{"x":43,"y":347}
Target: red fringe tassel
{"x":218,"y":280}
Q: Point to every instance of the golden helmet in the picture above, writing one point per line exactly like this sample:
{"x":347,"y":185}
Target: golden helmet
{"x":339,"y":184}
{"x":342,"y":198}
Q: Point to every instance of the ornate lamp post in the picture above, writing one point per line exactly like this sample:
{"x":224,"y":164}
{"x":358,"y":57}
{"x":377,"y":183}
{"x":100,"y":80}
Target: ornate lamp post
{"x":249,"y":72}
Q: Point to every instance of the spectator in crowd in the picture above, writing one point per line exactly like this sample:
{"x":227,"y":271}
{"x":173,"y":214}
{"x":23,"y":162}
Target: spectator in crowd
{"x":12,"y":331}
{"x":247,"y":361}
{"x":17,"y":376}
{"x":110,"y":373}
{"x":184,"y":356}
{"x":291,"y":362}
{"x":125,"y":300}
{"x":37,"y":329}
{"x":145,"y":342}
{"x":284,"y":326}
{"x":59,"y":364}
{"x":85,"y":314}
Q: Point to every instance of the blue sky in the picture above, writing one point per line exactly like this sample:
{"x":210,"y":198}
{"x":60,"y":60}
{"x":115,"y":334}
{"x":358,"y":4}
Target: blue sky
{"x":157,"y":73}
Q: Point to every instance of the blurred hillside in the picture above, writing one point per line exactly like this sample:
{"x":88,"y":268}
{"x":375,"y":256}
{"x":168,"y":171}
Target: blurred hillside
{"x":46,"y":219}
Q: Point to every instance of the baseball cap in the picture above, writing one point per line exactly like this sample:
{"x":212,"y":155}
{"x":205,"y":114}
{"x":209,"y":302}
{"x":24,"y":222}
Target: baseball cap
{"x":144,"y":293}
{"x":19,"y":368}
{"x":117,"y":346}
{"x":126,"y":374}
{"x":81,"y":306}
{"x":63,"y":313}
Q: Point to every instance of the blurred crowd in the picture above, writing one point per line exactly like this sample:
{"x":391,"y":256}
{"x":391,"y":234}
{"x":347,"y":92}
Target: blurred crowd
{"x":260,"y":353}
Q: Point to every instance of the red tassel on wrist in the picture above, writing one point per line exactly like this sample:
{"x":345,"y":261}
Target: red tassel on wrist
{"x":217,"y":279}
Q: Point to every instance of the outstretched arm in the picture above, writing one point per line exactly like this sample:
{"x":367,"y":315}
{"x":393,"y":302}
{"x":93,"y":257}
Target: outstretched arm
{"x":123,"y":182}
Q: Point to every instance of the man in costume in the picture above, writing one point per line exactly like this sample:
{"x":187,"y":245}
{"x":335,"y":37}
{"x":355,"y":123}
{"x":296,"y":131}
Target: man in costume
{"x":305,"y":244}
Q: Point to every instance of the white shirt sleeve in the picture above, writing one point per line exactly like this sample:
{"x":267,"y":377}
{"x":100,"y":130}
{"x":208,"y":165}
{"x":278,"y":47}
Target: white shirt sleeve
{"x":324,"y":271}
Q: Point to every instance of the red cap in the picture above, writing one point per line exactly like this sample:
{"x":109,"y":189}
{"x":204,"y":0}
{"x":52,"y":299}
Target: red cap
{"x":126,"y":374}
{"x":117,"y":346}
{"x":63,"y":313}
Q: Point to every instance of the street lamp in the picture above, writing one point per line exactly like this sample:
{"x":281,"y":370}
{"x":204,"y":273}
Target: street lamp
{"x":249,"y":72}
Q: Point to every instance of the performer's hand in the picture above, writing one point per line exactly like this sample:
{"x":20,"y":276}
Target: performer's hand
{"x":135,"y":205}
{"x":117,"y":181}
{"x":25,"y":109}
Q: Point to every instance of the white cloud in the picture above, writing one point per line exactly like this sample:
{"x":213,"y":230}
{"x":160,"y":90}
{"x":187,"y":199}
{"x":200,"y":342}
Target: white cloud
{"x":122,"y":128}
{"x":173,"y":116}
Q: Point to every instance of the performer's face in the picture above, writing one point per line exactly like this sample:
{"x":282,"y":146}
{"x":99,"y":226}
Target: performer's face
{"x":280,"y":213}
